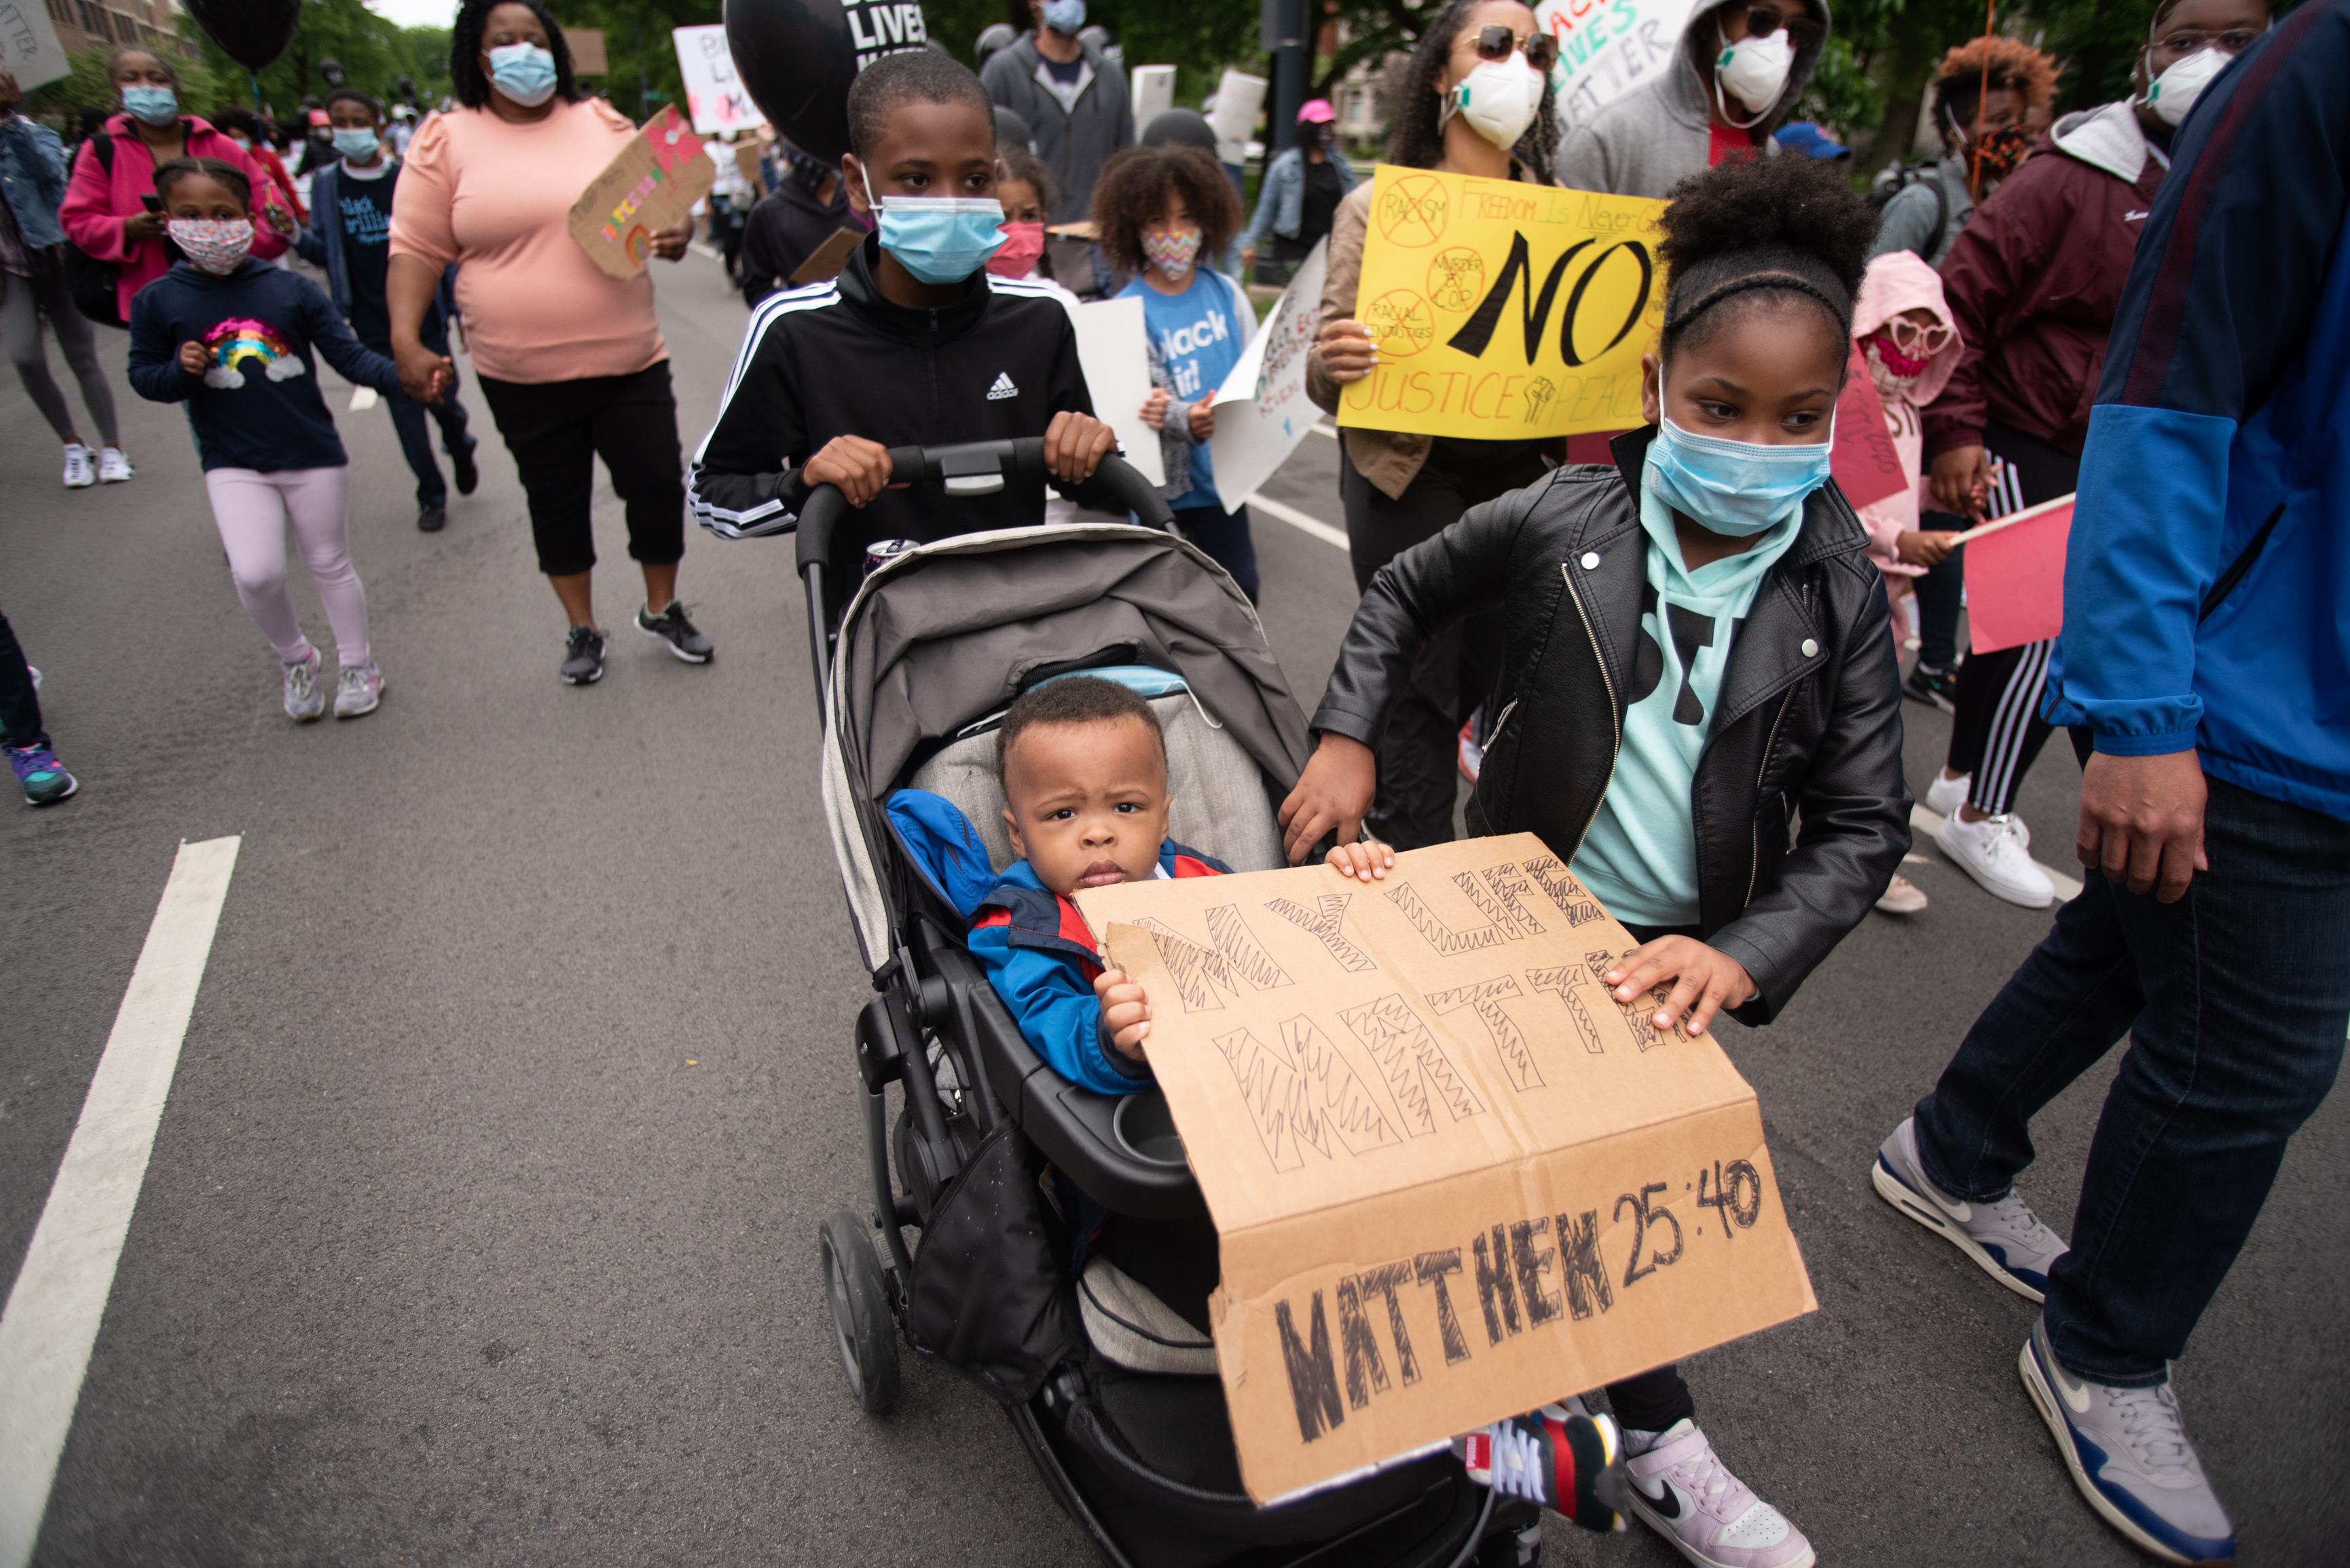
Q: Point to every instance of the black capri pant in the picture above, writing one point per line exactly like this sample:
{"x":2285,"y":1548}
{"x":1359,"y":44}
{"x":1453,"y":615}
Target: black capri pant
{"x":557,"y":429}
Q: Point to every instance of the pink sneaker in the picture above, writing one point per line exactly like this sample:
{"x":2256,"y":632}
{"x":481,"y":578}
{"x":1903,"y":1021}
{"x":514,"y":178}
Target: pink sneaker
{"x":1682,"y":1490}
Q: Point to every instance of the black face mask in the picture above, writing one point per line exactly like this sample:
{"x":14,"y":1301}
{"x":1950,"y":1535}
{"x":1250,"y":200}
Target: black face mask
{"x":1326,"y":137}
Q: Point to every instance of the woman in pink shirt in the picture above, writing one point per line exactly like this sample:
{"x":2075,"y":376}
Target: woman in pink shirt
{"x":106,"y":211}
{"x":570,"y":359}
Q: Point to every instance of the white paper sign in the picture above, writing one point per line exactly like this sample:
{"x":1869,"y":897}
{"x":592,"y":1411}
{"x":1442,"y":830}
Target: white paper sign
{"x":1261,"y":410}
{"x":1607,"y":47}
{"x":28,"y":44}
{"x":713,"y":93}
{"x":1239,"y":97}
{"x":1114,"y":349}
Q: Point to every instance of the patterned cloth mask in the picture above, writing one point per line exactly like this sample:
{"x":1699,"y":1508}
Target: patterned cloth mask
{"x":215,"y":246}
{"x":1173,"y":253}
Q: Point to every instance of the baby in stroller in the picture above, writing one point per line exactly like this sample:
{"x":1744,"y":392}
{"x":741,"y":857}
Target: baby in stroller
{"x":1083,"y":764}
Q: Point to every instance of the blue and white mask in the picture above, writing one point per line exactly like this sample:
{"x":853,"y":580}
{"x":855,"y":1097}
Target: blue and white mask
{"x":155,"y":105}
{"x":1735,"y":487}
{"x":523,"y":72}
{"x":359,"y":145}
{"x":1064,"y":15}
{"x":939,"y":239}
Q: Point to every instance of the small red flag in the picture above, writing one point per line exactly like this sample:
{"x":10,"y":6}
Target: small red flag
{"x":1866,"y":465}
{"x":2015,"y":577}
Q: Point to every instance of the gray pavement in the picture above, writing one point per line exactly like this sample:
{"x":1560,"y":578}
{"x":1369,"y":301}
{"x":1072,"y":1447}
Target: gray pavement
{"x":480,"y":1227}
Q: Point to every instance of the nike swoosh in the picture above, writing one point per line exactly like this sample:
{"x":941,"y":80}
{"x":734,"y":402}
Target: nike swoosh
{"x":2134,"y":217}
{"x":1669,"y":1505}
{"x":2076,"y":1395}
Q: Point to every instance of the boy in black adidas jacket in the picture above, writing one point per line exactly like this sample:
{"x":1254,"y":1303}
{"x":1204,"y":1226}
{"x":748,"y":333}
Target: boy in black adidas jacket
{"x":914,"y":343}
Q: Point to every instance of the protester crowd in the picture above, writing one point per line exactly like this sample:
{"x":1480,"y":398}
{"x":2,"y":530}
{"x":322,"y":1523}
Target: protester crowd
{"x":2141,"y":305}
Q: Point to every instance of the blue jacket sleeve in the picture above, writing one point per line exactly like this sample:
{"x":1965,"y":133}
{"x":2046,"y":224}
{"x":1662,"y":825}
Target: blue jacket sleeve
{"x":1268,"y":198}
{"x":2227,"y":281}
{"x":1056,"y":1010}
{"x":155,"y":372}
{"x":331,"y":336}
{"x":311,"y":243}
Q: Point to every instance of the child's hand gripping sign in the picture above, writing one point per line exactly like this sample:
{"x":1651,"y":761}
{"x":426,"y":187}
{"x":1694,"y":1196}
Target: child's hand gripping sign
{"x":1503,"y":311}
{"x":1447,"y":1166}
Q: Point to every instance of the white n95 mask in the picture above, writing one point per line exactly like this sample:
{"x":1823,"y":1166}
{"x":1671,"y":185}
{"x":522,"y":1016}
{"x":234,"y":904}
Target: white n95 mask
{"x":1500,"y":98}
{"x":1754,"y":71}
{"x":2174,"y":92}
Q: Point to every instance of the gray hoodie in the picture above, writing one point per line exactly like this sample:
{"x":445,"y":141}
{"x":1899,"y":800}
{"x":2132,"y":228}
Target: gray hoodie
{"x":1656,"y":134}
{"x":1074,"y":139}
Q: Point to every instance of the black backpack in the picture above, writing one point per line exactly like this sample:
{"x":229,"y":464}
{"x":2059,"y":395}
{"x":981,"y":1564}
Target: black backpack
{"x":92,"y":281}
{"x":1916,"y":173}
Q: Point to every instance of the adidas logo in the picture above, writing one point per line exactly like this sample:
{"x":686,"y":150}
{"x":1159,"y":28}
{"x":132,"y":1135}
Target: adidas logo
{"x":1002,"y":388}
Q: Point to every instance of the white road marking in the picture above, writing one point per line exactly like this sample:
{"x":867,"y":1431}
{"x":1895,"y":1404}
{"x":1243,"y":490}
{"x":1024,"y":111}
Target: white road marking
{"x":53,"y":1313}
{"x":1301,"y":521}
{"x":1330,"y":430}
{"x":363,"y":399}
{"x":1924,"y":823}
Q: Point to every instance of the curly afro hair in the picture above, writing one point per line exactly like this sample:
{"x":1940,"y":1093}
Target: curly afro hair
{"x":1762,"y":231}
{"x":1999,"y":64}
{"x":1132,"y":194}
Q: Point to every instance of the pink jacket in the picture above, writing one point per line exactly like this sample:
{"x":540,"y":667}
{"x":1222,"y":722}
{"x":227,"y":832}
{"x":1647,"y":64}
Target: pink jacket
{"x":96,"y":205}
{"x":1897,"y":282}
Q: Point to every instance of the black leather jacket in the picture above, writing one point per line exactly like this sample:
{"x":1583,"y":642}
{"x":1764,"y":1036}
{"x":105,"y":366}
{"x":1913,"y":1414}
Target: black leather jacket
{"x":1808,"y":722}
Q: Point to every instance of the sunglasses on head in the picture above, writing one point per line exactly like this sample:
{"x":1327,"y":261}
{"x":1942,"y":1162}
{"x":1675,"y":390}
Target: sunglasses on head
{"x":1499,"y":43}
{"x":1760,"y":23}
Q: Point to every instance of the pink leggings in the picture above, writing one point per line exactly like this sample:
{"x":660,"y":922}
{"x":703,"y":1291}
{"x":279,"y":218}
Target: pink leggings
{"x":251,"y":509}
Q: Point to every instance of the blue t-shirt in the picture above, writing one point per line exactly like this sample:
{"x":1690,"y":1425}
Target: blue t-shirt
{"x":1200,"y":342}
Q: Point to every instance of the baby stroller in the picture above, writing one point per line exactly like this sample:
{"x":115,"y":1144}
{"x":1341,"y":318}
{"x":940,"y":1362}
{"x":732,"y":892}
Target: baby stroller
{"x":914,"y":665}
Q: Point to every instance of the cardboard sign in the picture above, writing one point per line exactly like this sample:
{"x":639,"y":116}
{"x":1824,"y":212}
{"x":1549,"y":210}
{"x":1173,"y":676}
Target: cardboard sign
{"x":1262,"y":408}
{"x":1607,"y":47}
{"x":1865,"y":462}
{"x":650,"y":186}
{"x":2015,"y":577}
{"x":1452,"y":1178}
{"x":29,"y":44}
{"x":714,"y":95}
{"x":1503,"y":311}
{"x":1114,"y":351}
{"x":826,"y":260}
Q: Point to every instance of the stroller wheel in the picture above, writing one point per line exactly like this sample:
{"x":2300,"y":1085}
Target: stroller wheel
{"x":860,"y":1310}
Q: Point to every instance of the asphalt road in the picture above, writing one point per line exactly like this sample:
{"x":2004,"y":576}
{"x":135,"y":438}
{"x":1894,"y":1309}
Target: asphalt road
{"x":479,"y":1225}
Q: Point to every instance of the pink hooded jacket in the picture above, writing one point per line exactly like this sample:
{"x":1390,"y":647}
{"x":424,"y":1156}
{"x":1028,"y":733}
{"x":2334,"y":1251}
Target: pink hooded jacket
{"x":98,"y":202}
{"x":1898,"y":282}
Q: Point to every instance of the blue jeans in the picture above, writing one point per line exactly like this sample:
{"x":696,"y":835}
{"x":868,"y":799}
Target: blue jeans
{"x":408,"y":417}
{"x":2234,"y":1000}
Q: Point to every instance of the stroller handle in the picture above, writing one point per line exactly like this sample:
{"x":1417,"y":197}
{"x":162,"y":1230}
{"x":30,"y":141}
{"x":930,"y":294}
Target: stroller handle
{"x":1023,"y":458}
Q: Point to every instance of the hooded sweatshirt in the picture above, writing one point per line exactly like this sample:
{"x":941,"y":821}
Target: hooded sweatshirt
{"x":1897,"y":282}
{"x":107,"y":190}
{"x":1075,"y":139}
{"x":256,"y":404}
{"x":1660,"y":132}
{"x":2035,"y":279}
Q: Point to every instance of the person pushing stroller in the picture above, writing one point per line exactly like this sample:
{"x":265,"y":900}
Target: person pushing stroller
{"x":914,"y":342}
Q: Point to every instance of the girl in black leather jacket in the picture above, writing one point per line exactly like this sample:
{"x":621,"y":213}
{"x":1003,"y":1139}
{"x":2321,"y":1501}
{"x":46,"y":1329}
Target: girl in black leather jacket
{"x":1697,"y":651}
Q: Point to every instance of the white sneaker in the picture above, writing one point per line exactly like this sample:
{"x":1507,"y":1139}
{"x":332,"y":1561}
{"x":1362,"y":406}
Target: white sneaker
{"x":1686,"y":1494}
{"x":1944,"y":796}
{"x":113,"y":468}
{"x":1902,"y":897}
{"x":80,"y":472}
{"x":1992,"y":853}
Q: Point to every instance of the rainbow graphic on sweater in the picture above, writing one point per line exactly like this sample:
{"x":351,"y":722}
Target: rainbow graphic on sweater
{"x":240,"y":338}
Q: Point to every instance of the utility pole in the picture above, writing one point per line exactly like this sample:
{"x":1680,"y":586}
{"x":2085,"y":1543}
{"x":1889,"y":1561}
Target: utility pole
{"x":1283,"y":32}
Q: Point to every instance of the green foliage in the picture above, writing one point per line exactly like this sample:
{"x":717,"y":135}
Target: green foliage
{"x":372,"y":52}
{"x":1840,"y":95}
{"x":642,"y":57}
{"x":87,"y":87}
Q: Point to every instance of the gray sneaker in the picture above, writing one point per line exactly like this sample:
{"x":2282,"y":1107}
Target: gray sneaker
{"x":583,"y":657}
{"x":2005,"y":1238}
{"x":684,"y":639}
{"x":2128,"y":1453}
{"x":304,"y":699}
{"x":359,"y":689}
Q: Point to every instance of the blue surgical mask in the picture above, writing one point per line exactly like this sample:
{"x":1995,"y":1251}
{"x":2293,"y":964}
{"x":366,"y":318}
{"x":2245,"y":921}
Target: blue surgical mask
{"x":155,"y":105}
{"x":939,"y":239}
{"x":358,"y":145}
{"x":523,"y":72}
{"x":1735,"y":487}
{"x":1064,"y":15}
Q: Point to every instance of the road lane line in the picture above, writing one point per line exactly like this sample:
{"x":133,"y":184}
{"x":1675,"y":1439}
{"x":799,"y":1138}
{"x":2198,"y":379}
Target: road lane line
{"x":51,"y":1321}
{"x":1303,"y":522}
{"x":1330,"y":430}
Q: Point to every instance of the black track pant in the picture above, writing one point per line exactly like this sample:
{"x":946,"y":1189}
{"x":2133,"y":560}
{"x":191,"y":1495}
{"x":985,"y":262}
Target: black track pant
{"x":1998,"y":731}
{"x":20,"y":710}
{"x":557,"y":429}
{"x":1419,"y":750}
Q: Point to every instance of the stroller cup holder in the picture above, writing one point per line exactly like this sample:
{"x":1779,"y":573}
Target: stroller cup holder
{"x":1146,"y":1129}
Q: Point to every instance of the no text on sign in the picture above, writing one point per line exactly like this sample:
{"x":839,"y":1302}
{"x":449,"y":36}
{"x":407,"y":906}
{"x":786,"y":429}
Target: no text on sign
{"x":1502,"y":310}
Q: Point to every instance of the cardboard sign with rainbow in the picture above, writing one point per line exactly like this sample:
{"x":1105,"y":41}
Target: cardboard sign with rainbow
{"x":653,"y":183}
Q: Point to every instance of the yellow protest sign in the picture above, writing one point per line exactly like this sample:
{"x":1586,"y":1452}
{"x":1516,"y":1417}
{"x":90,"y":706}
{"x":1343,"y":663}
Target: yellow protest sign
{"x":1505,"y":311}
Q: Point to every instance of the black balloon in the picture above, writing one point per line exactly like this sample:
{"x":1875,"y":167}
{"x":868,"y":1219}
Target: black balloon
{"x":253,"y":32}
{"x":796,"y":58}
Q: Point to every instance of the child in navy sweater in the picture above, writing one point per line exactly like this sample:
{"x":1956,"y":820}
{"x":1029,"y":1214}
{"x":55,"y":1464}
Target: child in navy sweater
{"x":233,"y":338}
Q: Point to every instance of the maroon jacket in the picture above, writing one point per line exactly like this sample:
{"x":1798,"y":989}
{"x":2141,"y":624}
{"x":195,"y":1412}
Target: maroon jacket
{"x":2035,"y":279}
